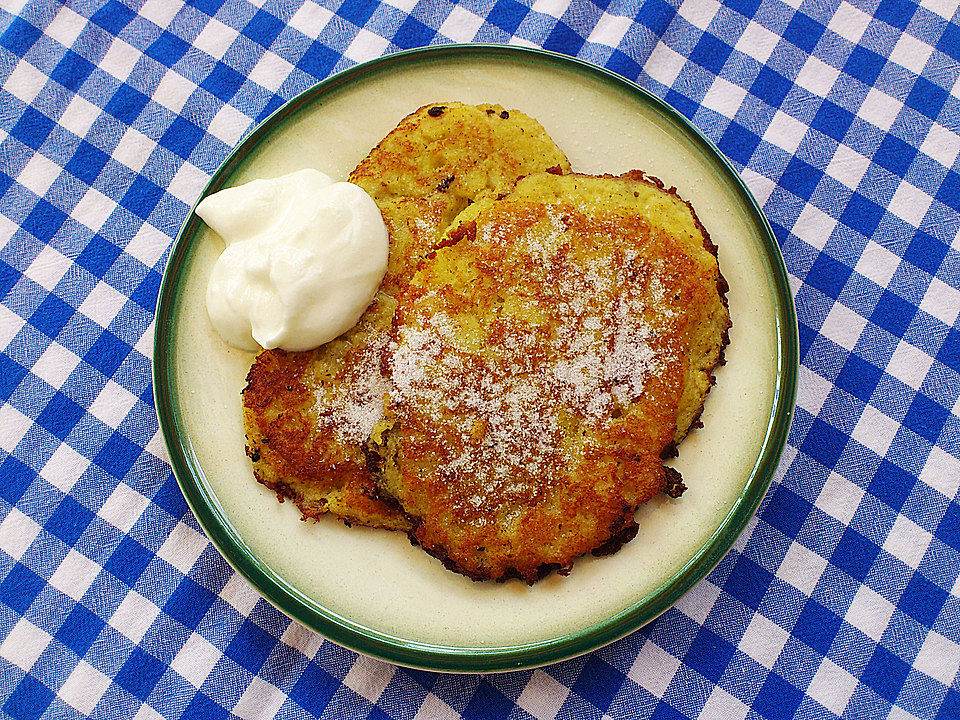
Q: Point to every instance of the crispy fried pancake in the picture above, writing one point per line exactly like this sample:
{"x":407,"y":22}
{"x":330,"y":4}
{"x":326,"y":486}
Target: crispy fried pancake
{"x":308,"y":415}
{"x":545,"y":361}
{"x":440,"y":159}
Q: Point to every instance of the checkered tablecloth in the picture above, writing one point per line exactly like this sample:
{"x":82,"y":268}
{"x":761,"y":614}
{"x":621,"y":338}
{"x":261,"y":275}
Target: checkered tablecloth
{"x":842,"y":597}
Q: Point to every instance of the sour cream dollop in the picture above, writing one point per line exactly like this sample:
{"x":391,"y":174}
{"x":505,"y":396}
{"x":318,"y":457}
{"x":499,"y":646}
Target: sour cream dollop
{"x":304,"y":257}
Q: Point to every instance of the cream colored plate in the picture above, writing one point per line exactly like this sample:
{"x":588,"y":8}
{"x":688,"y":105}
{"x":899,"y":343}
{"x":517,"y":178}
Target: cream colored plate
{"x":370,"y":589}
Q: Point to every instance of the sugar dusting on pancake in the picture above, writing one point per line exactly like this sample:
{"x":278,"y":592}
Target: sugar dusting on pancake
{"x":539,"y":367}
{"x":548,"y":340}
{"x":308,"y":416}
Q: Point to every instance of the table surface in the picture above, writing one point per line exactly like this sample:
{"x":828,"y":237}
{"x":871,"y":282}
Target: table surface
{"x":842,"y":597}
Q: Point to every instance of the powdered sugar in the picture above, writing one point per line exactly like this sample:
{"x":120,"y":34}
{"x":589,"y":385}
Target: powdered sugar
{"x":353,"y":412}
{"x":563,"y":341}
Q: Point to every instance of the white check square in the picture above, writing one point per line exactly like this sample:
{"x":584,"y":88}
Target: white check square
{"x":843,"y":326}
{"x":173,"y":91}
{"x":24,"y":644}
{"x":13,"y":426}
{"x":271,"y":70}
{"x":942,"y":473}
{"x":299,"y":637}
{"x":64,"y":468}
{"x":433,"y":708}
{"x":907,"y":541}
{"x":368,"y":677}
{"x":763,"y":640}
{"x":849,"y":22}
{"x":832,"y":687}
{"x":785,"y":132}
{"x":699,"y":14}
{"x":120,"y":59}
{"x":55,"y":365}
{"x":149,"y":244}
{"x":240,"y":594}
{"x":664,"y":64}
{"x":760,"y":185}
{"x":910,"y":203}
{"x":911,"y":53}
{"x":875,"y":430}
{"x":909,"y":364}
{"x":817,"y":77}
{"x":112,"y":404}
{"x":134,"y":616}
{"x":877,"y":263}
{"x":17,"y":533}
{"x":724,"y":97}
{"x":654,"y":668}
{"x":134,"y":149}
{"x":814,"y":226}
{"x":460,"y":25}
{"x":802,"y":568}
{"x":79,"y":116}
{"x":870,"y":612}
{"x":25,"y":82}
{"x":697,"y":603}
{"x":366,"y":46}
{"x":939,"y":657}
{"x":880,"y":109}
{"x":123,"y":508}
{"x":93,"y":210}
{"x":259,"y":700}
{"x":39,"y":174}
{"x":310,"y":19}
{"x":65,"y":26}
{"x":942,"y":301}
{"x":215,"y":38}
{"x":75,"y":575}
{"x":941,"y":144}
{"x":839,"y":498}
{"x":48,"y":268}
{"x":183,"y":547}
{"x":812,"y":390}
{"x":848,"y":167}
{"x":722,"y":704}
{"x":103,"y":304}
{"x":84,"y":688}
{"x":543,"y":696}
{"x":757,"y":42}
{"x":229,"y":125}
{"x":195,"y":660}
{"x":160,"y":12}
{"x":609,"y":30}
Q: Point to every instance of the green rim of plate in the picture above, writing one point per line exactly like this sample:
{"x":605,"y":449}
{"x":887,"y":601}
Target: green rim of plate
{"x":428,"y":656}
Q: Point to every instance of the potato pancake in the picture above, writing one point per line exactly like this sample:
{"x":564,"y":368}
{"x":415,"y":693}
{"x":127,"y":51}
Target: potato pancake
{"x":308,"y":415}
{"x":546,"y":357}
{"x":440,"y":159}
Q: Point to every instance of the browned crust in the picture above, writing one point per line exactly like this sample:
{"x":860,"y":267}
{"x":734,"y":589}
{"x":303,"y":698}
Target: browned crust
{"x":290,"y":459}
{"x":723,"y":288}
{"x":271,"y":370}
{"x":435,"y":538}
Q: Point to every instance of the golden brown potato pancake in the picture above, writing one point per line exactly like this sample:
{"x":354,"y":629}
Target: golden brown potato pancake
{"x":308,"y":415}
{"x":547,"y":357}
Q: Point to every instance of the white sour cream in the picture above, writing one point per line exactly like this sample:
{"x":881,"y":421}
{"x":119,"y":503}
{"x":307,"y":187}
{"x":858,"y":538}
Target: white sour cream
{"x":304,"y":257}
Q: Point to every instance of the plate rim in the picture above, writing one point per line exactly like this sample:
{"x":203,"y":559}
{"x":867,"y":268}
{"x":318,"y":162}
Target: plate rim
{"x":428,"y":656}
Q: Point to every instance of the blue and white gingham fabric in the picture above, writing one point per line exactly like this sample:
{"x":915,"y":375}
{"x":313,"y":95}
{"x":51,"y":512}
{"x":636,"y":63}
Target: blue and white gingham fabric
{"x":842,"y":598}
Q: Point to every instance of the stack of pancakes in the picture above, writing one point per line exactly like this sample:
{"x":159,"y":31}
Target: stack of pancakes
{"x":541,"y":342}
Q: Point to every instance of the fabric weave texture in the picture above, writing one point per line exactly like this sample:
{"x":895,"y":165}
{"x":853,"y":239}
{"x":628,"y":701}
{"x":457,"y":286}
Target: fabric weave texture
{"x":841,"y":599}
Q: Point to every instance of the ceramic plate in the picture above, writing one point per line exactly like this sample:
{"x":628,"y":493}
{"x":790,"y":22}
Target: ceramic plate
{"x":370,"y":590}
